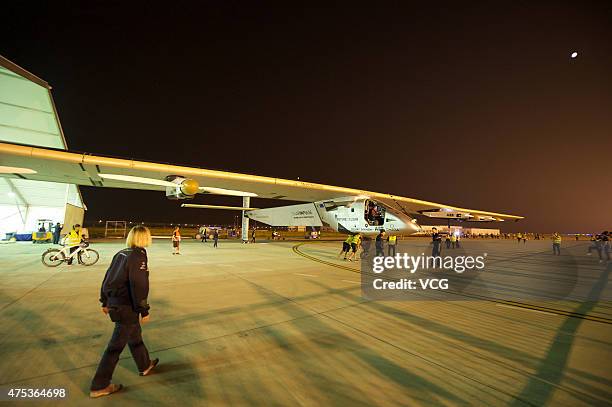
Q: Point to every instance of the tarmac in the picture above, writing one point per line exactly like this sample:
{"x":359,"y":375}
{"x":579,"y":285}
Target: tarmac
{"x":284,"y":323}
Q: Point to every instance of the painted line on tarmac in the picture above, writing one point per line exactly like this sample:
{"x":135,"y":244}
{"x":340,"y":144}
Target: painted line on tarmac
{"x":527,"y":309}
{"x":305,"y":275}
{"x":351,"y":281}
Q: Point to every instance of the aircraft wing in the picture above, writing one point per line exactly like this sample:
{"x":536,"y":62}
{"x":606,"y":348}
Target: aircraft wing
{"x":54,"y":165}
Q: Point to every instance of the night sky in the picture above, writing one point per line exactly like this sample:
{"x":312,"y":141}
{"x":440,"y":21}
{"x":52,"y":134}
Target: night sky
{"x":476,"y":104}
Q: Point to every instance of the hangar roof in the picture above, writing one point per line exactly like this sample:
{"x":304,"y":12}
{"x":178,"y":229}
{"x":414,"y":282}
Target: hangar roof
{"x":28,"y":116}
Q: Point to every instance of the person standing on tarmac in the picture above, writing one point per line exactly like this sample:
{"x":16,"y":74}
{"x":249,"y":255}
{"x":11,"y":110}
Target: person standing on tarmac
{"x":57,"y":229}
{"x":556,"y":238}
{"x":605,"y":239}
{"x":380,"y":251}
{"x":216,"y":238}
{"x":391,"y":245}
{"x":253,"y":236}
{"x":436,"y":241}
{"x":123,"y":296}
{"x":176,"y":240}
{"x":519,"y":237}
{"x":202,"y":232}
{"x":453,"y":241}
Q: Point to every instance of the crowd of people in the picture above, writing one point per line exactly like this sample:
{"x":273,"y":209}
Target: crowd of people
{"x":356,"y":241}
{"x":601,"y":244}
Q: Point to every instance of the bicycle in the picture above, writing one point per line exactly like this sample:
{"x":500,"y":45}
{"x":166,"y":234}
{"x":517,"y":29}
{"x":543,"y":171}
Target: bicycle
{"x":84,"y":255}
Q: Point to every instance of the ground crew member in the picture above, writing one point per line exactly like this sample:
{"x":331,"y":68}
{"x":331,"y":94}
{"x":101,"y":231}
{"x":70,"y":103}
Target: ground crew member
{"x":253,"y":236}
{"x":556,"y":238}
{"x":379,"y":244}
{"x":56,"y":233}
{"x":596,"y":244}
{"x":176,"y":240}
{"x":124,"y":298}
{"x":391,"y":245}
{"x":202,"y":232}
{"x":453,"y":240}
{"x":447,"y":241}
{"x":519,"y":237}
{"x":436,"y":241}
{"x":458,"y":239}
{"x":216,"y":238}
{"x":346,"y":246}
{"x":73,"y":240}
{"x":355,"y":243}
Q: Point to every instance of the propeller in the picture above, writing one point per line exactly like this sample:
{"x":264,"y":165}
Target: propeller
{"x":188,"y":186}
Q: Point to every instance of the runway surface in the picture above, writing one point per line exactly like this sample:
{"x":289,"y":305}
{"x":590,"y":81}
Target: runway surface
{"x":284,"y":323}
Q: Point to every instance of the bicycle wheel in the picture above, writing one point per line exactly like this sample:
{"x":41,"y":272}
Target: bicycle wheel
{"x":89,"y":257}
{"x":53,"y":258}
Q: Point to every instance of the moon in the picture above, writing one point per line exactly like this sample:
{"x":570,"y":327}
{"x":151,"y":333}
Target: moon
{"x":574,"y":54}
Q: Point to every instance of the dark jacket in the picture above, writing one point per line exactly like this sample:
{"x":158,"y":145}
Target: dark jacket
{"x":127,"y":281}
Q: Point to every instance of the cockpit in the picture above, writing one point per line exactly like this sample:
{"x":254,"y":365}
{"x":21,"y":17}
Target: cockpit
{"x":374,"y":213}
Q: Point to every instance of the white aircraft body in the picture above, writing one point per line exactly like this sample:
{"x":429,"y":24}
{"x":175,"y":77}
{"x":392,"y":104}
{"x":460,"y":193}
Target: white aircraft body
{"x":344,"y":209}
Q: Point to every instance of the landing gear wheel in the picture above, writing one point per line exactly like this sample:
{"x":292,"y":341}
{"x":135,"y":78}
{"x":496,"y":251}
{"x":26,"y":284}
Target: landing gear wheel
{"x":53,"y":258}
{"x":89,"y":257}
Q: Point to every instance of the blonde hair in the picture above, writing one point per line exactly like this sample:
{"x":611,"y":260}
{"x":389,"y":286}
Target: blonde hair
{"x":139,"y":236}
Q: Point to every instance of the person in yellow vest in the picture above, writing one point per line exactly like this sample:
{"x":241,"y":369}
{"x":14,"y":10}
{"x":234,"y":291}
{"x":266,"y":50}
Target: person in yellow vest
{"x":519,"y":237}
{"x":355,"y":243}
{"x":73,"y":240}
{"x":391,"y":244}
{"x":453,"y":240}
{"x":346,"y":246}
{"x":556,"y":238}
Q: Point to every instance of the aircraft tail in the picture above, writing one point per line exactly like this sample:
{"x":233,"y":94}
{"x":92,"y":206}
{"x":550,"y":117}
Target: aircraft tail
{"x":292,"y":215}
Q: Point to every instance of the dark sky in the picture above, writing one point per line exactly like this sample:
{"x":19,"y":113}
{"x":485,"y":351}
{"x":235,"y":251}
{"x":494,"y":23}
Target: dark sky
{"x":476,"y":104}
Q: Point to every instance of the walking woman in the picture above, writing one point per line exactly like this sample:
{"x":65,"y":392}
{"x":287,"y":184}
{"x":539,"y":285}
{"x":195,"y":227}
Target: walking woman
{"x":124,"y":298}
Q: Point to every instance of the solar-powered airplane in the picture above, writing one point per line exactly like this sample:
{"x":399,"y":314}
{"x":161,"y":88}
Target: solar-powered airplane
{"x":344,"y":209}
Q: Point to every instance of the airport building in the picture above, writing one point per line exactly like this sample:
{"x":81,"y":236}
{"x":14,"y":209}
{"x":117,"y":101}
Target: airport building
{"x":28,"y":116}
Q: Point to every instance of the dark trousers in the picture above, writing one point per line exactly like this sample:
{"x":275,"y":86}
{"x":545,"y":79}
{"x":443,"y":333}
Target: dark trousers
{"x":435,"y":251}
{"x":391,"y":248}
{"x":380,"y":251}
{"x":215,"y":245}
{"x":127,"y":332}
{"x":72,"y":250}
{"x":56,"y":238}
{"x":557,"y":248}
